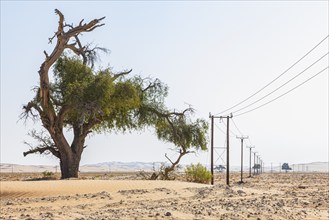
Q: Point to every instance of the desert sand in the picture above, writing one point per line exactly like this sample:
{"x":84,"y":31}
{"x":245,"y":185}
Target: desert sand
{"x":265,"y":196}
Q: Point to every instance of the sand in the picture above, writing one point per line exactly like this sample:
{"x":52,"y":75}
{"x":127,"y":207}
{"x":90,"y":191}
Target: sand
{"x":266,"y":196}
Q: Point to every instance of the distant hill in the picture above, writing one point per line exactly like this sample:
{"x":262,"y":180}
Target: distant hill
{"x":120,"y":166}
{"x":147,"y":166}
{"x":99,"y":167}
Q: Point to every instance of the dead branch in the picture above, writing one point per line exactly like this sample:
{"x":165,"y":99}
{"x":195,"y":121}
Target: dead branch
{"x":121,"y":74}
{"x":45,"y":144}
{"x":41,"y":150}
{"x":28,"y":111}
{"x":63,"y":37}
{"x":169,"y":159}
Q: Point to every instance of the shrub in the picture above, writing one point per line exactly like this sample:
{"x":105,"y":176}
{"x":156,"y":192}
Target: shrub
{"x":197,"y":173}
{"x":48,"y":175}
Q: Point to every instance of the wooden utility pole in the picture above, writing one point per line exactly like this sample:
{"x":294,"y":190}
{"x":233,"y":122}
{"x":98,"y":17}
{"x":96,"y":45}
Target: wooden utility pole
{"x":212,"y":117}
{"x":260,"y":166}
{"x":255,"y":163}
{"x":212,"y":150}
{"x":242,"y":138}
{"x":228,"y":149}
{"x":250,"y":159}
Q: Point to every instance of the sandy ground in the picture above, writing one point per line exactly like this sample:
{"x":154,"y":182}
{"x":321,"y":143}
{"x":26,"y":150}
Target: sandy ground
{"x":266,"y":196}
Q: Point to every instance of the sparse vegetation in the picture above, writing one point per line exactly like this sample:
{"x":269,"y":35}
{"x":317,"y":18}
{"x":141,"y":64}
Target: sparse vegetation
{"x":197,"y":173}
{"x":48,"y":175}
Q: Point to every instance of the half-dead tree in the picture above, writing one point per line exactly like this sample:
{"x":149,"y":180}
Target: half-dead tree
{"x":84,"y":100}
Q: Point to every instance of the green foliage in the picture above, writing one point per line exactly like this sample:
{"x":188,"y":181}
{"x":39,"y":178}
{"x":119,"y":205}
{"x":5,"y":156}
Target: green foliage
{"x":48,"y":175}
{"x":183,"y":133}
{"x":197,"y":173}
{"x":110,"y":101}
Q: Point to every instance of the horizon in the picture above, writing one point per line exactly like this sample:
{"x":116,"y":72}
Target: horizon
{"x":151,"y":162}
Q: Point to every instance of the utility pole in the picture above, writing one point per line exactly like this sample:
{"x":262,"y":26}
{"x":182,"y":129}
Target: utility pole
{"x":260,"y":166}
{"x":250,"y":159}
{"x":242,"y":138}
{"x":228,"y":149}
{"x":212,"y":150}
{"x":255,"y":163}
{"x":212,"y":117}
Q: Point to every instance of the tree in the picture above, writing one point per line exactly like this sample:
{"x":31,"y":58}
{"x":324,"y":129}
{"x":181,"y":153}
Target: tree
{"x":186,"y":135}
{"x":84,"y":100}
{"x":285,"y":166}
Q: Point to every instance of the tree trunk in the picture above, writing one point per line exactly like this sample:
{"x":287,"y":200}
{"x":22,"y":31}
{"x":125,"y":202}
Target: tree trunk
{"x":171,"y":168}
{"x":70,"y":166}
{"x":70,"y":156}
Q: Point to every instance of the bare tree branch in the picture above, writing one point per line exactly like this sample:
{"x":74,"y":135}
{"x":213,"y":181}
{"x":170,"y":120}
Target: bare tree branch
{"x":116,"y":76}
{"x":63,"y":37}
{"x":42,"y":150}
{"x":45,"y":143}
{"x":169,"y":159}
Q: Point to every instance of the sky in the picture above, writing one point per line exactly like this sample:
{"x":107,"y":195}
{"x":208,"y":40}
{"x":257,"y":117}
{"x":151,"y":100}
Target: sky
{"x":211,"y":54}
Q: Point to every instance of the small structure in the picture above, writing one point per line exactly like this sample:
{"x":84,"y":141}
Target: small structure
{"x":285,"y":167}
{"x":220,"y":168}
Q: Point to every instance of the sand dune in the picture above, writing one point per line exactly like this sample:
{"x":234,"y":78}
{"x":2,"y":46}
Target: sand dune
{"x":19,"y":189}
{"x":266,"y":196}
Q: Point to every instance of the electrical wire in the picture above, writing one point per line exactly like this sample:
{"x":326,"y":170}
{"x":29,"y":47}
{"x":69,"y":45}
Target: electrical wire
{"x":283,"y":93}
{"x":250,"y":142}
{"x":220,"y":129}
{"x":274,"y":78}
{"x":237,"y":127}
{"x":281,"y":85}
{"x":234,"y":135}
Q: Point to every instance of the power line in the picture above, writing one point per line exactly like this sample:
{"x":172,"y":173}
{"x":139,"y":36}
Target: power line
{"x":283,"y":93}
{"x":250,"y":142}
{"x":234,"y":134}
{"x":282,"y":84}
{"x":275,"y":78}
{"x":237,"y":127}
{"x":220,"y":129}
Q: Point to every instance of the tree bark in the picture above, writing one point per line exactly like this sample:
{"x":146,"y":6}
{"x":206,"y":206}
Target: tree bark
{"x":69,"y":166}
{"x":71,"y":155}
{"x":171,"y":168}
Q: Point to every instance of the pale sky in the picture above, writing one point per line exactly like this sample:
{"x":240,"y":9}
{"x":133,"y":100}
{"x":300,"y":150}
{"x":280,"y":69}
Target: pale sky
{"x":211,"y":54}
